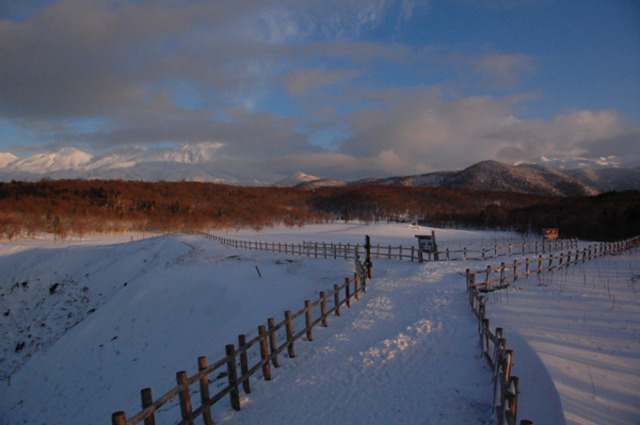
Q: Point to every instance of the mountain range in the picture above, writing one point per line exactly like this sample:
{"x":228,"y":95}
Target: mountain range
{"x":196,"y":163}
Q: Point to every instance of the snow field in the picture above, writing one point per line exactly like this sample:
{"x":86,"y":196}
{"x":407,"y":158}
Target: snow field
{"x":584,"y":324}
{"x":407,"y":352}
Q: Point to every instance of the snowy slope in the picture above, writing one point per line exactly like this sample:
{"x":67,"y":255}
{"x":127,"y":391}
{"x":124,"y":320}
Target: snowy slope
{"x":407,"y":352}
{"x":584,"y":322}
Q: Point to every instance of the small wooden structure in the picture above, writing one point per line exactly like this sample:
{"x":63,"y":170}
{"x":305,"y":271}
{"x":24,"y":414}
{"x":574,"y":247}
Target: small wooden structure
{"x":550,"y":233}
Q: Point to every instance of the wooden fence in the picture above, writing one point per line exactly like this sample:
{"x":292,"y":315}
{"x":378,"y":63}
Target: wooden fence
{"x":493,"y":278}
{"x":493,"y":345}
{"x":265,"y":349}
{"x":314,"y":249}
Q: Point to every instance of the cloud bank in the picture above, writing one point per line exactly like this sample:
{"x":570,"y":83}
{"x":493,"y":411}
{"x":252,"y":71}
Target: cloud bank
{"x":332,"y":88}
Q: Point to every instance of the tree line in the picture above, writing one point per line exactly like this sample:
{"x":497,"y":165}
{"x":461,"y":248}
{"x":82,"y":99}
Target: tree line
{"x":77,"y":207}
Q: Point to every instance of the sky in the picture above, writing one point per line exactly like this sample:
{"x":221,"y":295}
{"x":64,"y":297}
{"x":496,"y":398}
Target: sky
{"x":344,"y":88}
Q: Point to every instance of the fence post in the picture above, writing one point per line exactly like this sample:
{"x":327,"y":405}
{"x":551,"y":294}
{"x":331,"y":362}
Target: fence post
{"x":204,"y":391}
{"x":336,"y":298}
{"x":264,"y":353}
{"x":147,"y":400}
{"x":356,"y":286}
{"x":185,"y":397}
{"x":539,"y":264}
{"x":244,"y":362}
{"x":308,"y":321}
{"x":323,"y":308}
{"x":515,"y":270}
{"x":289,"y":326}
{"x":347,"y":291}
{"x":118,"y":418}
{"x":527,"y":266}
{"x":273,"y":341}
{"x":232,"y":376}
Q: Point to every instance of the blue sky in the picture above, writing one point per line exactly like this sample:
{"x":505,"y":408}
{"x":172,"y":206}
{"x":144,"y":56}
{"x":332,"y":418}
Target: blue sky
{"x":342,"y":89}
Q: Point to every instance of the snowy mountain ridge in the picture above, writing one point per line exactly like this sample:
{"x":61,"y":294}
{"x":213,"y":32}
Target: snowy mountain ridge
{"x":202,"y":162}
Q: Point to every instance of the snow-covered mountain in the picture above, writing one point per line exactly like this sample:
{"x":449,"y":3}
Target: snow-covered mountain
{"x":494,"y":175}
{"x":187,"y":162}
{"x":295,"y":179}
{"x":6,"y":159}
{"x":65,"y":159}
{"x":204,"y":162}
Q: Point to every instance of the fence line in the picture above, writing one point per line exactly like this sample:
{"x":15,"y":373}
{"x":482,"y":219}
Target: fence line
{"x":493,"y":348}
{"x":314,"y":249}
{"x":505,"y":273}
{"x":263,"y":347}
{"x":493,"y":345}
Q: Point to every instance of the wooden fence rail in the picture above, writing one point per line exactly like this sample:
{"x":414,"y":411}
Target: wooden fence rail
{"x":263,"y":350}
{"x":315,"y":249}
{"x":494,"y":278}
{"x":493,"y":345}
{"x":493,"y":348}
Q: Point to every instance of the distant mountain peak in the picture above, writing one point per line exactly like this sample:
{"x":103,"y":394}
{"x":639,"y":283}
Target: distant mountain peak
{"x":7,"y":158}
{"x":64,"y":159}
{"x":295,"y":179}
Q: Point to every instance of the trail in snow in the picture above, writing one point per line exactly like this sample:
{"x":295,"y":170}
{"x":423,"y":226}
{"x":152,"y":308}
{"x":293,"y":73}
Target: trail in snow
{"x":405,"y":353}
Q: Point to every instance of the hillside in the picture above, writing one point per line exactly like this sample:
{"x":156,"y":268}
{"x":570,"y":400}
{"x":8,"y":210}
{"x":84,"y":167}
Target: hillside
{"x":494,"y":175}
{"x":79,"y":207}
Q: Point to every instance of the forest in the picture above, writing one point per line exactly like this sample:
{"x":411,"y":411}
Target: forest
{"x":76,"y":208}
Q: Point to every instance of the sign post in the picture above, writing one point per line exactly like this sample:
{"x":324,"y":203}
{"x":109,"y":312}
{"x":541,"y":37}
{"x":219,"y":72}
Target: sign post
{"x":427,"y":243}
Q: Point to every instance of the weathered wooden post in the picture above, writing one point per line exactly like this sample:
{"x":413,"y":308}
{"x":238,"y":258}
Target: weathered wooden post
{"x":289,"y":328}
{"x":244,"y":362}
{"x":539,"y":264}
{"x":264,"y":353}
{"x":436,"y":255}
{"x":147,"y":400}
{"x":232,"y":376}
{"x":273,"y":344}
{"x":185,"y":397}
{"x":308,"y":319}
{"x":336,"y":298}
{"x":118,"y":418}
{"x":204,"y":392}
{"x":323,"y":308}
{"x":356,"y":286}
{"x":347,"y":291}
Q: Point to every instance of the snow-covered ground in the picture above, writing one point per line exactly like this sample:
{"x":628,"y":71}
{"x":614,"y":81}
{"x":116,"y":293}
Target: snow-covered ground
{"x":87,"y":324}
{"x":584,"y":324}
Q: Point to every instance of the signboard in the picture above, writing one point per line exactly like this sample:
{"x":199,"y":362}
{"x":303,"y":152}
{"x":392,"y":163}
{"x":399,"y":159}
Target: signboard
{"x":425,"y":243}
{"x":551,"y":233}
